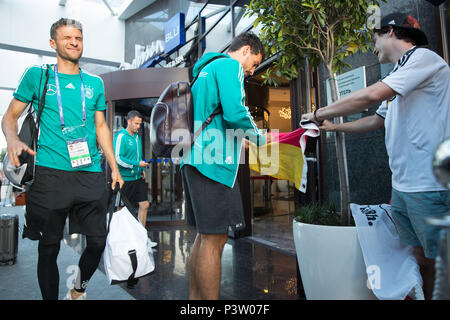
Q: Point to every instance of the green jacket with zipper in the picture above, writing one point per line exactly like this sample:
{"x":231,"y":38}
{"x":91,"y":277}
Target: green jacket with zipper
{"x":128,"y":153}
{"x":216,"y":152}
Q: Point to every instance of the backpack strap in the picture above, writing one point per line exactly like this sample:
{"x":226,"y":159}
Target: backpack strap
{"x":41,"y":103}
{"x":196,"y":77}
{"x":217,"y":111}
{"x":208,"y":120}
{"x":35,"y":134}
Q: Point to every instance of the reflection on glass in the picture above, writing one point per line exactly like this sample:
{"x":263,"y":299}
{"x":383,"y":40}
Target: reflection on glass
{"x":162,"y":176}
{"x":157,"y":20}
{"x":192,"y":12}
{"x":220,"y":35}
{"x":242,"y":22}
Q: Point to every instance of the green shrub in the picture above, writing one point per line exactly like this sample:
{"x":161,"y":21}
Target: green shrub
{"x":322,"y":215}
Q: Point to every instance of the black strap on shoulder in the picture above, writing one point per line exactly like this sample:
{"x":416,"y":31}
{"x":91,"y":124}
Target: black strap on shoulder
{"x":217,"y":111}
{"x":35,"y":133}
{"x":208,"y":120}
{"x":40,"y":107}
{"x":196,"y":77}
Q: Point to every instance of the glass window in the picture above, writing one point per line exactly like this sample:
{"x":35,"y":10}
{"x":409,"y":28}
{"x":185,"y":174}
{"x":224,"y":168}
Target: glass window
{"x":192,"y":31}
{"x":193,"y":11}
{"x":242,"y":22}
{"x":220,"y":36}
{"x":117,"y":4}
{"x":157,"y":21}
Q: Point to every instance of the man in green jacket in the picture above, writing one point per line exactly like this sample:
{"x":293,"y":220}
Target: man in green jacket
{"x":128,"y":153}
{"x":213,"y":200}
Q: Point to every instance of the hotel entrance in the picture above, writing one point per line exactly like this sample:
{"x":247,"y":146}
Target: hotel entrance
{"x":139,"y":89}
{"x":279,"y":109}
{"x":273,"y":199}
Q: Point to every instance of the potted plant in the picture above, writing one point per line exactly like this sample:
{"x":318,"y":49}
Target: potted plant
{"x":321,"y":32}
{"x":329,"y":255}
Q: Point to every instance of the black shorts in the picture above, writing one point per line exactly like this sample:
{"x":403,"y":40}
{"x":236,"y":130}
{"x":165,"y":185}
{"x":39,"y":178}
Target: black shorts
{"x":135,"y":191}
{"x":55,"y":195}
{"x":209,"y":205}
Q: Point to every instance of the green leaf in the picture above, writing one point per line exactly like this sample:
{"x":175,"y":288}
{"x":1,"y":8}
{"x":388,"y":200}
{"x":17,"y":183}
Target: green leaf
{"x":287,"y":24}
{"x":256,"y":22}
{"x":322,"y":21}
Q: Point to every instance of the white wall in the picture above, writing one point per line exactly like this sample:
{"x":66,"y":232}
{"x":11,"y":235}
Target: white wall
{"x":26,"y":23}
{"x":13,"y":64}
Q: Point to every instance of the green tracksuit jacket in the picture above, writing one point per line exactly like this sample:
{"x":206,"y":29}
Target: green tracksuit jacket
{"x":128,"y":153}
{"x":216,"y":151}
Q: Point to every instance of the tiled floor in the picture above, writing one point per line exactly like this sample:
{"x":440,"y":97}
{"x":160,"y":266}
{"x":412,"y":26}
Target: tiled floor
{"x":274,"y":228}
{"x":19,"y":281}
{"x":253,"y":268}
{"x":261,"y":266}
{"x":249,"y":270}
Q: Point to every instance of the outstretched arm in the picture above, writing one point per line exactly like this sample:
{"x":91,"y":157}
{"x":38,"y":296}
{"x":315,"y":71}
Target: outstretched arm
{"x":355,"y":102}
{"x":366,"y":124}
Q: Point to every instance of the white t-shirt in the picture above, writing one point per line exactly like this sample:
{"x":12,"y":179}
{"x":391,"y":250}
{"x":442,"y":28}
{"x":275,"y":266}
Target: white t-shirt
{"x":416,"y":119}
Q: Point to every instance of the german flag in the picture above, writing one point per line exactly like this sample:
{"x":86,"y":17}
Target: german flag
{"x":283,"y":158}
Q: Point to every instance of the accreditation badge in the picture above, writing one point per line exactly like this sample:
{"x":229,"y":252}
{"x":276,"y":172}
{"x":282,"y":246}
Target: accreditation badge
{"x":79,"y":153}
{"x":77,"y":146}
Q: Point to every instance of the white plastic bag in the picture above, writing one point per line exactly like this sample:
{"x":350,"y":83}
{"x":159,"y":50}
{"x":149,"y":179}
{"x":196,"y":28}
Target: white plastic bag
{"x":392,"y":269}
{"x":126,"y":256}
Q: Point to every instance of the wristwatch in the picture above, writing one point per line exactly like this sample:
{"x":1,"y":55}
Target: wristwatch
{"x":315,"y":117}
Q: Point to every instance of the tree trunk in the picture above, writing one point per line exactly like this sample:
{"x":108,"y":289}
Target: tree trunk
{"x":341,"y":155}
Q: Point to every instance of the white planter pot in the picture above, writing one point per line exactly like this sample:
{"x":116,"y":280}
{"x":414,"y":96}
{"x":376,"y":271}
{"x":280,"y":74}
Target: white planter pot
{"x":331,"y":263}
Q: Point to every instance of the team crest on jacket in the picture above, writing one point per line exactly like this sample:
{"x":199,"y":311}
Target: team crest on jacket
{"x":89,"y":92}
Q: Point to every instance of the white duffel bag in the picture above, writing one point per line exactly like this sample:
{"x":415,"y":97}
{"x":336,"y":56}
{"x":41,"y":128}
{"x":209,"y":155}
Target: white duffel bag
{"x":126,"y":256}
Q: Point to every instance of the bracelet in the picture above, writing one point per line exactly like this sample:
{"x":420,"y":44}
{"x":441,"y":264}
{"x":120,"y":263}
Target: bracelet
{"x":315,"y":117}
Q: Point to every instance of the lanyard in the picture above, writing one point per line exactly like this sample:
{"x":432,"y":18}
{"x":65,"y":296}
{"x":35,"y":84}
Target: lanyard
{"x":58,"y":94}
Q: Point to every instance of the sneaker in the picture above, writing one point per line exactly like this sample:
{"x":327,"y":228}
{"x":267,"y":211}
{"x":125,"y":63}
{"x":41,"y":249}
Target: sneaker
{"x":69,"y":296}
{"x":151,"y":244}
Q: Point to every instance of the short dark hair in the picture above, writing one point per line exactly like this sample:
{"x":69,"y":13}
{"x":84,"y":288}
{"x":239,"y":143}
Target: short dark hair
{"x":247,"y":39}
{"x":64,"y":22}
{"x":133,"y":114}
{"x":400,"y":33}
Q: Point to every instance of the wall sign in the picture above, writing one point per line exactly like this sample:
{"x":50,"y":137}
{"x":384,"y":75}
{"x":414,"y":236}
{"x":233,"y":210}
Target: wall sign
{"x":348,"y":82}
{"x":174,"y":33}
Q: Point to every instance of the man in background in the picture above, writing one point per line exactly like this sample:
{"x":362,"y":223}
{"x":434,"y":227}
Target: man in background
{"x":128,"y":153}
